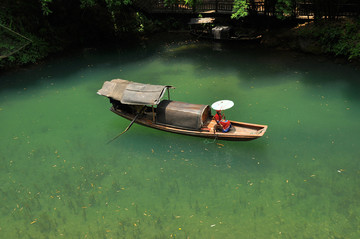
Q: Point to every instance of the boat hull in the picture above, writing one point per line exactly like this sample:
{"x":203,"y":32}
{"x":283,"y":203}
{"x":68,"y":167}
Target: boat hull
{"x":244,"y":38}
{"x":239,"y":132}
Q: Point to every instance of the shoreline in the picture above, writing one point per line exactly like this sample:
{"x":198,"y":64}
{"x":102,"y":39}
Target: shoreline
{"x":285,"y":40}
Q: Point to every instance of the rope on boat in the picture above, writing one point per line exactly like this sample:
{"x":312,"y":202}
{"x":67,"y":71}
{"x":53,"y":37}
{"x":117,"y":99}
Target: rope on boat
{"x":127,"y":128}
{"x":206,"y":141}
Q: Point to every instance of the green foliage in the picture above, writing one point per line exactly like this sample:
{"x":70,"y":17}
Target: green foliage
{"x":117,"y":3}
{"x":17,"y":45}
{"x":142,"y":21}
{"x":52,"y":25}
{"x":33,"y":52}
{"x":38,"y":49}
{"x":285,"y":8}
{"x":336,"y":37}
{"x":45,"y":6}
{"x":87,"y":3}
{"x":191,"y":3}
{"x":146,"y":25}
{"x":109,"y":3}
{"x":282,"y":8}
{"x":240,"y":9}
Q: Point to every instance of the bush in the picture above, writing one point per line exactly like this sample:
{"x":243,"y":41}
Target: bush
{"x":30,"y":52}
{"x":341,"y":38}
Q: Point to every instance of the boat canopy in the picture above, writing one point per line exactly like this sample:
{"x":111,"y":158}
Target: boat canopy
{"x":132,"y":93}
{"x":201,"y":20}
{"x":182,"y":115}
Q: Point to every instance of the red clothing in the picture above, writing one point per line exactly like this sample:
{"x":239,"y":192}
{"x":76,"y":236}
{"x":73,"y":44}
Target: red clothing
{"x":218,"y":117}
{"x":224,"y":123}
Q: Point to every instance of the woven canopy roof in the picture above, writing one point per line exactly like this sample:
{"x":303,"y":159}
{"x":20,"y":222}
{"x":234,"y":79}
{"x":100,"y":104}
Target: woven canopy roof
{"x":132,"y":93}
{"x":201,"y":20}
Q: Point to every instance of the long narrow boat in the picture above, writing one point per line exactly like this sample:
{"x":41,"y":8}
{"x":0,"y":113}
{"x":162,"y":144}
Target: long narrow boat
{"x":143,"y":104}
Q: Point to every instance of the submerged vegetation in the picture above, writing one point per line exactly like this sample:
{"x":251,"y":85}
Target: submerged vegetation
{"x":30,"y":30}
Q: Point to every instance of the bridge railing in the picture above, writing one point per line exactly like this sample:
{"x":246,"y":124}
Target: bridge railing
{"x":226,"y":6}
{"x":181,"y":6}
{"x":337,"y":10}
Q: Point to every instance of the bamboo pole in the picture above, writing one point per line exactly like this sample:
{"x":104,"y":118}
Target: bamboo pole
{"x":153,"y":113}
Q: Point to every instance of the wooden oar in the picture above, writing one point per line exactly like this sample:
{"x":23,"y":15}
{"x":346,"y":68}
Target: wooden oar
{"x":127,"y":128}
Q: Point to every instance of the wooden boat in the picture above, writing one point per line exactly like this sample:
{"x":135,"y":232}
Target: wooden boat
{"x":142,"y":104}
{"x":203,"y":28}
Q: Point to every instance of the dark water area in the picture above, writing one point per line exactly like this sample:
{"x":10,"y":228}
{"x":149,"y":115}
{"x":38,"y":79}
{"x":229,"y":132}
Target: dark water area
{"x":59,"y":178}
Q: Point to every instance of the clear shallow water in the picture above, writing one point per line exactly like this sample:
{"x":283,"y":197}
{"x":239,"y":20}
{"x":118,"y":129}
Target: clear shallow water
{"x":59,"y":178}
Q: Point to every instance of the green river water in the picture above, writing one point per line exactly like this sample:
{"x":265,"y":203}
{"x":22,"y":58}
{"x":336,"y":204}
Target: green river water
{"x":59,"y":178}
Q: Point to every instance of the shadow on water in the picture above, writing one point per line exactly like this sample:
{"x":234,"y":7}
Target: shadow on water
{"x":245,"y":59}
{"x":81,"y":60}
{"x":251,"y":62}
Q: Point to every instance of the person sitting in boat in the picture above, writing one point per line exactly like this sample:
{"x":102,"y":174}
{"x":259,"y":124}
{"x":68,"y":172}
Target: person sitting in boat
{"x":222,"y":122}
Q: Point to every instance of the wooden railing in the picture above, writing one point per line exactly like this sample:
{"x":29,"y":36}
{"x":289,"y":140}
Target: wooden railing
{"x":308,"y":9}
{"x":226,"y":7}
{"x":175,"y":7}
{"x":338,"y":10}
{"x":181,"y":6}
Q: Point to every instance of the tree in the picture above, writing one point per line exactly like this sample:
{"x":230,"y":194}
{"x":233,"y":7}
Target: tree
{"x":240,"y":9}
{"x":285,"y":8}
{"x":31,"y":29}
